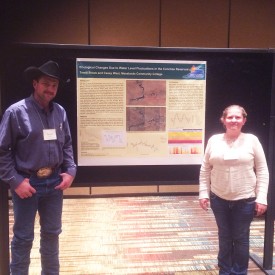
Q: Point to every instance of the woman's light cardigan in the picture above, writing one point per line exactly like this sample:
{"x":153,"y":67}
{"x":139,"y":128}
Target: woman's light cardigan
{"x":234,"y":171}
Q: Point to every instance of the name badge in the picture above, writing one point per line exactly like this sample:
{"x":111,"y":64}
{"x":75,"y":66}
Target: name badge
{"x":231,"y":154}
{"x":49,"y":134}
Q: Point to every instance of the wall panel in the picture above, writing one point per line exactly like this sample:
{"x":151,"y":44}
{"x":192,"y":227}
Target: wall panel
{"x":252,"y":24}
{"x":166,"y":23}
{"x":124,"y":22}
{"x":194,"y":23}
{"x":63,"y":22}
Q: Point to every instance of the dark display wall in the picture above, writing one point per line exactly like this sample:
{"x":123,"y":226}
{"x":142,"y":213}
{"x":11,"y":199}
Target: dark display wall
{"x":233,"y":77}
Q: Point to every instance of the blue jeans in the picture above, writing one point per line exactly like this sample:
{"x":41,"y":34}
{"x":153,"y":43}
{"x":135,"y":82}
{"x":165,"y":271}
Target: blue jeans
{"x":233,"y":219}
{"x":48,"y":202}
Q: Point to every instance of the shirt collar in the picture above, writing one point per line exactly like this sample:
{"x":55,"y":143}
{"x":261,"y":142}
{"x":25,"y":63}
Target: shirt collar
{"x":38,"y":106}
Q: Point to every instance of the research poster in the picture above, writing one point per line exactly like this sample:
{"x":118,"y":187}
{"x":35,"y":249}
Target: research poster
{"x":140,"y":112}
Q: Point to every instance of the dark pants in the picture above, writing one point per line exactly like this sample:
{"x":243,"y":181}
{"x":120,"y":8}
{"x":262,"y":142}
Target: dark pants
{"x":233,"y":219}
{"x":48,"y":202}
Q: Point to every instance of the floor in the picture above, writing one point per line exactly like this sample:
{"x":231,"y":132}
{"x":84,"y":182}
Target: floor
{"x":163,"y":235}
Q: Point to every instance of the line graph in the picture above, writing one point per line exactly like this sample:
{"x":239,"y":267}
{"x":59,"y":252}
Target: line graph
{"x":184,"y":120}
{"x":113,"y":139}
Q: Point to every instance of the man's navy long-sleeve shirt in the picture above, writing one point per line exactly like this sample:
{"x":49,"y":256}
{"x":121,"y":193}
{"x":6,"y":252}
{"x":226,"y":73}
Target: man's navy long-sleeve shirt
{"x":23,"y":149}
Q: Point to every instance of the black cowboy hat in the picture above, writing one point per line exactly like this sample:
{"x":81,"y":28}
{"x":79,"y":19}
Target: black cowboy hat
{"x":50,"y":68}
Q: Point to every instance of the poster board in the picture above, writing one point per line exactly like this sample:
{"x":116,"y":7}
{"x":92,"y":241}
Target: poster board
{"x":233,"y":77}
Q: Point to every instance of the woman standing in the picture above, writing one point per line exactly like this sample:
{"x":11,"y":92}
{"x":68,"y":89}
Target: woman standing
{"x":234,"y":178}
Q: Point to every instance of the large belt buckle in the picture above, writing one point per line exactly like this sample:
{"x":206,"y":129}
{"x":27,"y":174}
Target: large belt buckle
{"x":44,"y":172}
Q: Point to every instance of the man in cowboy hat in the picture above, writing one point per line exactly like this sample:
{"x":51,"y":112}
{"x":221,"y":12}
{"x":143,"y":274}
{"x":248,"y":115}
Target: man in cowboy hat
{"x":36,"y":160}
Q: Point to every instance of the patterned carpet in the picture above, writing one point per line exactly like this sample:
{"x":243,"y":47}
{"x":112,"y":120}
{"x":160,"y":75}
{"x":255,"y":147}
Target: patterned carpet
{"x":164,"y":235}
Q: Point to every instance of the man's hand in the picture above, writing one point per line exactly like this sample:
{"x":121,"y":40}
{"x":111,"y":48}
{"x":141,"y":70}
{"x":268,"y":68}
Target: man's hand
{"x":66,"y":182}
{"x":24,"y":189}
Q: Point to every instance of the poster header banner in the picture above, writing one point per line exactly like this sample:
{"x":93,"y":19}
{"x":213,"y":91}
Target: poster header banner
{"x":137,"y":70}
